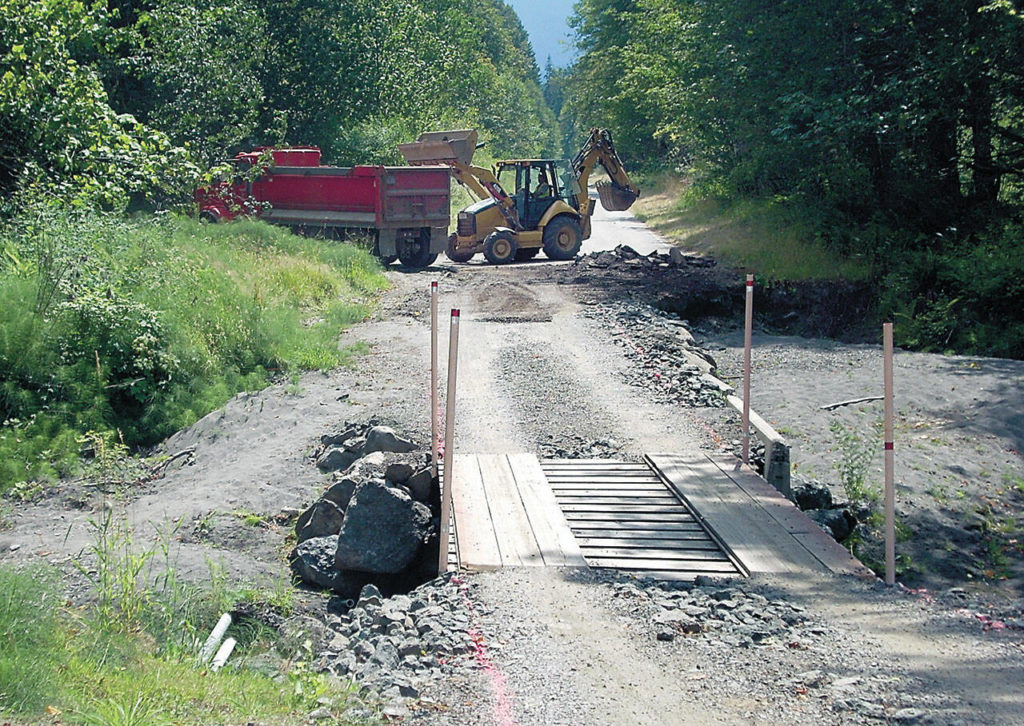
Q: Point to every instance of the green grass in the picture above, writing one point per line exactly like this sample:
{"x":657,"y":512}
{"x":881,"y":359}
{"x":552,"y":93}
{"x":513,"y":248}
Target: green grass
{"x":132,"y":330}
{"x":770,"y":238}
{"x":130,"y":657}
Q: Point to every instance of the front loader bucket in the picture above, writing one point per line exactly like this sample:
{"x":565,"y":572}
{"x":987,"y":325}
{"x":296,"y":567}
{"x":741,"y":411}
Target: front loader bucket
{"x":441,"y":147}
{"x":614,"y":197}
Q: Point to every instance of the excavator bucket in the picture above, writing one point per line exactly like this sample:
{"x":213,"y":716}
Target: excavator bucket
{"x":441,"y":147}
{"x":615,"y":197}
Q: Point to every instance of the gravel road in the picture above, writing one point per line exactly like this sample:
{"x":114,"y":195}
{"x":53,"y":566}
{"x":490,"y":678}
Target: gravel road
{"x":545,"y":367}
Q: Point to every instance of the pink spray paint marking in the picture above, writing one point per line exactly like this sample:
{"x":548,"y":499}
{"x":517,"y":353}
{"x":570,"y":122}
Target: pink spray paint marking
{"x":496,"y":679}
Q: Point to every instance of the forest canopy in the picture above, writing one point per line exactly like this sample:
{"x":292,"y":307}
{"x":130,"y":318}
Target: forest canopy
{"x":896,"y":127}
{"x":108,"y":103}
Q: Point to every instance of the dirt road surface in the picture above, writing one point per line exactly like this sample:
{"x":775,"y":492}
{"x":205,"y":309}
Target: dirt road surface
{"x":537,"y":374}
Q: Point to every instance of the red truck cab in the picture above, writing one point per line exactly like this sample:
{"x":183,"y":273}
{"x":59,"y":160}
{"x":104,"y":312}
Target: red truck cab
{"x":406,"y":209}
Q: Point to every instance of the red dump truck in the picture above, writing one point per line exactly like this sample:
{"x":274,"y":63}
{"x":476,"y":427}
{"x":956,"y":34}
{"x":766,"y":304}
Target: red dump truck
{"x":406,"y":209}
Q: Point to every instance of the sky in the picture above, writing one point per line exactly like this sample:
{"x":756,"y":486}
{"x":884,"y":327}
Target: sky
{"x":545,"y":21}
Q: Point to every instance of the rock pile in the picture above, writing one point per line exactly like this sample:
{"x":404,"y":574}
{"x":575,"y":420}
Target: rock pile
{"x":377,"y":519}
{"x":671,"y":364}
{"x":727,"y":614}
{"x":393,"y":646}
{"x":625,"y":259}
{"x":815,"y":499}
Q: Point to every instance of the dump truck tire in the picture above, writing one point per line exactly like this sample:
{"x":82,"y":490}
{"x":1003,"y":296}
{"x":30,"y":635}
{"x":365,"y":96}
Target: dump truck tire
{"x":526,"y":253}
{"x":562,"y":238}
{"x":500,"y":248}
{"x":456,"y":255}
{"x":415,"y":253}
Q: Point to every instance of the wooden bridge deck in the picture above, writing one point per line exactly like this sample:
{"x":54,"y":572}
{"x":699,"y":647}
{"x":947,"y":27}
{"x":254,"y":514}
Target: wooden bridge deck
{"x":671,"y":517}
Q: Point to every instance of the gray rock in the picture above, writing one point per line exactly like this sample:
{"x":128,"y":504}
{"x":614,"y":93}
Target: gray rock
{"x":370,"y":595}
{"x":338,"y":438}
{"x":421,"y":484}
{"x":837,"y":522}
{"x":399,"y":472}
{"x":812,"y":495}
{"x":384,"y":438}
{"x":335,"y":460}
{"x":341,"y":492}
{"x":313,"y":561}
{"x":383,"y":531}
{"x":325,"y":520}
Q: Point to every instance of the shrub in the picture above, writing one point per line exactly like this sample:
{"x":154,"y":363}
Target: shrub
{"x":138,"y":328}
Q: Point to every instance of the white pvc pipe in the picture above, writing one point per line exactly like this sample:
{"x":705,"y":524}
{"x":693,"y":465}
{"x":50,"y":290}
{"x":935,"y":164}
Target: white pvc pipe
{"x":747,"y":334}
{"x":449,"y":442}
{"x":435,"y":409}
{"x":223,"y":654}
{"x":890,"y":488}
{"x":214,"y":640}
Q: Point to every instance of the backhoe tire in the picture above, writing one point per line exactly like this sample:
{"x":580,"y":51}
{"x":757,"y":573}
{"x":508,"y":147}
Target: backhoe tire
{"x":456,"y":255}
{"x":562,"y":238}
{"x":526,"y":253}
{"x":416,"y":252}
{"x":500,"y":247}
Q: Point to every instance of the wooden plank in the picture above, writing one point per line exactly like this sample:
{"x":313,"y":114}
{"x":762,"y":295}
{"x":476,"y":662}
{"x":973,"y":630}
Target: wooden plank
{"x":658,"y":498}
{"x":803,"y":529}
{"x":775,"y":504}
{"x":548,"y":463}
{"x":719,"y":568}
{"x":641,"y":542}
{"x":833,"y":555}
{"x":512,"y":530}
{"x":755,"y":538}
{"x":478,"y":547}
{"x":555,"y":540}
{"x":623,"y":553}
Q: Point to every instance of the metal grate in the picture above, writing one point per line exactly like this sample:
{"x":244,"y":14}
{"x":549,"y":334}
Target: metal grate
{"x":624,"y":517}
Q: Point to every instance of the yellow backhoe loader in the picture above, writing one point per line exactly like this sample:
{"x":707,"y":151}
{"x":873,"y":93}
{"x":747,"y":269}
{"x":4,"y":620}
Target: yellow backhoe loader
{"x":549,"y":209}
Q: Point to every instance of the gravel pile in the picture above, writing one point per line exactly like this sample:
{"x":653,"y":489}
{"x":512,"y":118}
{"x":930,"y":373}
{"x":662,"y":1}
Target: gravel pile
{"x":781,"y":653}
{"x":393,"y":647}
{"x":669,"y":362}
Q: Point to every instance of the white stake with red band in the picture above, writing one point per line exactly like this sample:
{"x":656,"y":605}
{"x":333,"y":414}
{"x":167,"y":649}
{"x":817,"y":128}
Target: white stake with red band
{"x":435,"y":408}
{"x":890,"y":489}
{"x":748,"y":325}
{"x":449,"y":438}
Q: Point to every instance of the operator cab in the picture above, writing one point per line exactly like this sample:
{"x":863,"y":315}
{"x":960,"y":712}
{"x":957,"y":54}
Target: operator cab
{"x":538,"y":183}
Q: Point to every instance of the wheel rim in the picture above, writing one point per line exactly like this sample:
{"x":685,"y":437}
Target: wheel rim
{"x":502,"y":248}
{"x":566,"y":239}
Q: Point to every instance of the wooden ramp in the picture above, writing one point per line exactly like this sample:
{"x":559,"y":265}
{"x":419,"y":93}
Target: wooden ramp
{"x":760,"y":527}
{"x":506,"y":516}
{"x":670,"y":517}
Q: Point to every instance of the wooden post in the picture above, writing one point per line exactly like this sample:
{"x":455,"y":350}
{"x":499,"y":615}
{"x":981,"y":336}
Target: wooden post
{"x":435,"y":409}
{"x":748,"y":325}
{"x":449,"y":441}
{"x":890,"y":489}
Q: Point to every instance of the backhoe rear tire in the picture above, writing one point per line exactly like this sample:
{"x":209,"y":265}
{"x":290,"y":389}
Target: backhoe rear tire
{"x":562,"y":238}
{"x":454,"y":254}
{"x":500,"y":247}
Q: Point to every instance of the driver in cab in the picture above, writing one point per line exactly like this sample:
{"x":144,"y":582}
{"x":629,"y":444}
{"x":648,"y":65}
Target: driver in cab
{"x":543,"y":188}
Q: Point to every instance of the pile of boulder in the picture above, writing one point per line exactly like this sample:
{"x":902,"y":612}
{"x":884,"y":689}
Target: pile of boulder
{"x":815,"y":499}
{"x":377,"y":520}
{"x":670,"y":362}
{"x":625,"y":258}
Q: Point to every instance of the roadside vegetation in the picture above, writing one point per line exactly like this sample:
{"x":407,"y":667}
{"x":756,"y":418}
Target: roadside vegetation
{"x":131,"y":657}
{"x":117,"y":332}
{"x":879,"y":137}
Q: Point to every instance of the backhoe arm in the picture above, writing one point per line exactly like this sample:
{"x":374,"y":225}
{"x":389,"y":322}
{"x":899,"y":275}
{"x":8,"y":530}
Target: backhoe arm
{"x":620,"y":193}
